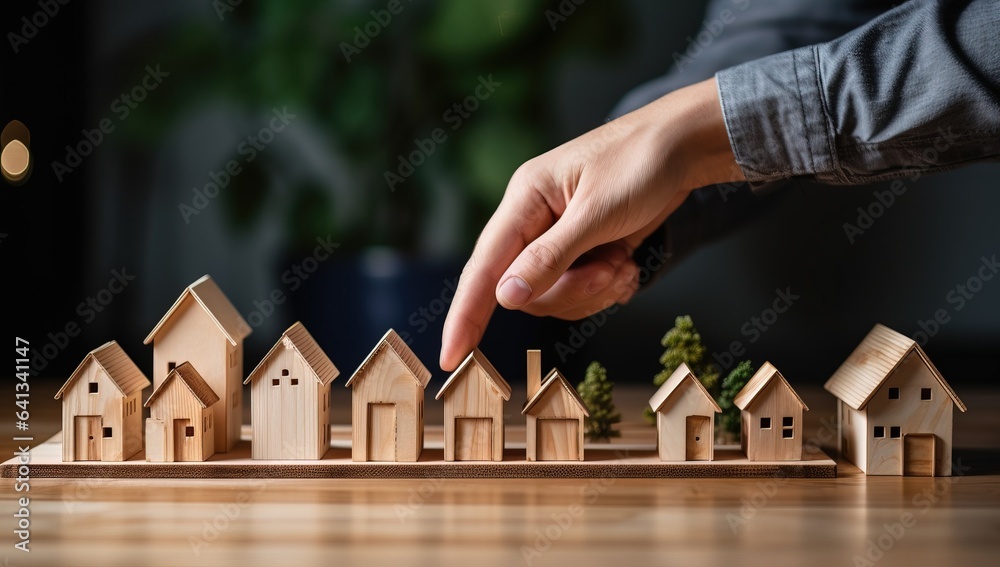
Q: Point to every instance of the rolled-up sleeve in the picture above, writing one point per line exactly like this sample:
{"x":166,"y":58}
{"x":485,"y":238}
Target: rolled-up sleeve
{"x":915,"y":90}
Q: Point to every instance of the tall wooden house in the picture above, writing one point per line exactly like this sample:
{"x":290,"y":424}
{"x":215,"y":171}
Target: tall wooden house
{"x":685,"y":418}
{"x":555,"y":416}
{"x":473,"y":411}
{"x":894,"y":408}
{"x":387,"y":403}
{"x":290,"y":398}
{"x":102,"y":407}
{"x":181,"y":426}
{"x":202,"y":327}
{"x":770,"y":417}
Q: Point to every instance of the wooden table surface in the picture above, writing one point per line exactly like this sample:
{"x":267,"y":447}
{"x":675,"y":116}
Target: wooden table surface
{"x":850,"y":520}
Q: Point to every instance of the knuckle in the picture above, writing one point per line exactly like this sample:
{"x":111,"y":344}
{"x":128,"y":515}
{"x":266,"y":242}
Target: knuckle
{"x":545,"y":256}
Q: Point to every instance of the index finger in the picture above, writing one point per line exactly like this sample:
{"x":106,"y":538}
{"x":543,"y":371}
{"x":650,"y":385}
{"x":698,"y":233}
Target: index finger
{"x":512,"y":227}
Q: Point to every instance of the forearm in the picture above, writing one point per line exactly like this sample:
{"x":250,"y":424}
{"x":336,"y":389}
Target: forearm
{"x":917,"y":89}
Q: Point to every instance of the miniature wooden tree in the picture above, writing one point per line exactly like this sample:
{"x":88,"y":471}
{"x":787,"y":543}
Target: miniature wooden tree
{"x":683,"y":345}
{"x":731,"y":385}
{"x":596,"y":392}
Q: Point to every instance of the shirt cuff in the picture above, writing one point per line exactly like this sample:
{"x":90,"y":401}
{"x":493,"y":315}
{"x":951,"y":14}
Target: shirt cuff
{"x":776,"y":118}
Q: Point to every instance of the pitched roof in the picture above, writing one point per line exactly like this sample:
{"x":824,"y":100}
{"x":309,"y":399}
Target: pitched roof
{"x":673,"y":382}
{"x":119,"y":367}
{"x":298,"y":338}
{"x":756,"y":385}
{"x":392,"y":341}
{"x":491,"y":374}
{"x":208,"y":295}
{"x":555,"y":377}
{"x":878,"y":356}
{"x":188,"y":376}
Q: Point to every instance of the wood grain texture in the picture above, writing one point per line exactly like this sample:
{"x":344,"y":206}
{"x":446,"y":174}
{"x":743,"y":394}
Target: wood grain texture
{"x":118,"y":522}
{"x":388,"y":380}
{"x":473,"y":395}
{"x":108,"y":408}
{"x":622,"y":461}
{"x":687,"y":399}
{"x":174,"y":402}
{"x":289,"y":406}
{"x":190,"y":334}
{"x":551,"y":440}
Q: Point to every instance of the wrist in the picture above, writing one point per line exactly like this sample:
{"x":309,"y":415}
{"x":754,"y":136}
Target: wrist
{"x":693,"y":131}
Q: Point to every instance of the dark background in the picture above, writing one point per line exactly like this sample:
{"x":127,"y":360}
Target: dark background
{"x":323,"y":176}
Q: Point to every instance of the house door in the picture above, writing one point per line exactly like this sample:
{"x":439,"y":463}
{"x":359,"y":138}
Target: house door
{"x":184,"y":445}
{"x":698,"y":445}
{"x":87,"y":430}
{"x":473,"y":438}
{"x":381,"y":432}
{"x":156,"y":440}
{"x":918,"y":454}
{"x":557,"y":440}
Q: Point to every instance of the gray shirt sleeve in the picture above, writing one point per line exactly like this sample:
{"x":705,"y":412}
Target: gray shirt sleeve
{"x":915,"y":90}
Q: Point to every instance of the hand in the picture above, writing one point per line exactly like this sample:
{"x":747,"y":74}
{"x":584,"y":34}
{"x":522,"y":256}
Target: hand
{"x":561,"y":241}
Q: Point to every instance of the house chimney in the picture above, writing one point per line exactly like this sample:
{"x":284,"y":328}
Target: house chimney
{"x":534,"y":372}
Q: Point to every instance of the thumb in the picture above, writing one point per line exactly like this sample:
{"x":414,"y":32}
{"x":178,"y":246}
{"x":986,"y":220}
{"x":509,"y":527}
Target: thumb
{"x":540,"y":264}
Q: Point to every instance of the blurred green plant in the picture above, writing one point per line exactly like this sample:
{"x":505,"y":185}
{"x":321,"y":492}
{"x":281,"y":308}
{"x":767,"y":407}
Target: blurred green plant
{"x":369,"y":110}
{"x":596,"y":392}
{"x":731,"y":385}
{"x":682,"y":344}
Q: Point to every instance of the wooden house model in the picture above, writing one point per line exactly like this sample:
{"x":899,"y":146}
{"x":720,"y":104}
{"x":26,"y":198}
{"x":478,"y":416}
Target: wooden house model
{"x":181,"y":426}
{"x":555,"y":416}
{"x":387,"y":403}
{"x":102,"y":407}
{"x":770,"y":417}
{"x":290,"y":398}
{"x":202,"y":327}
{"x":894,"y":408}
{"x":473,"y":411}
{"x":685,"y":418}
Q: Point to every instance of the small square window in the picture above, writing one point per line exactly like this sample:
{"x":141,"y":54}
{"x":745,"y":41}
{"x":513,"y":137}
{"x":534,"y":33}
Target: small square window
{"x":765,"y":423}
{"x":107,"y":433}
{"x":786,"y":421}
{"x":189,"y":431}
{"x":893,"y":393}
{"x":171,"y":366}
{"x":295,"y":381}
{"x":275,"y":381}
{"x":894,"y":432}
{"x":879,"y":432}
{"x":284,"y":372}
{"x":925,"y":394}
{"x":786,"y":433}
{"x":92,"y":387}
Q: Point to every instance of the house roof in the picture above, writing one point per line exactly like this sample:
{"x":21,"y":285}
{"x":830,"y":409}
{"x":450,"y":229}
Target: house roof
{"x":484,"y":363}
{"x":119,"y":367}
{"x":188,"y":376}
{"x":878,"y":356}
{"x":555,"y":377}
{"x":299,"y":339}
{"x":393,"y":342}
{"x":673,"y":382}
{"x":756,"y":385}
{"x":208,"y":295}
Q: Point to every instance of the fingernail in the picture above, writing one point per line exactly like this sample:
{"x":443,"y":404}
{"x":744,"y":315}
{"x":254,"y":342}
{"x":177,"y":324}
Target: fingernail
{"x":600,"y":281}
{"x":515,"y":291}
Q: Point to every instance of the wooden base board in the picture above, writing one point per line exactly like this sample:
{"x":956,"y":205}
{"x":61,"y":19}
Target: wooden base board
{"x":602,"y":461}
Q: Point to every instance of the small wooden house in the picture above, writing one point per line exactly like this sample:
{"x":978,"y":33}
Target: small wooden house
{"x":181,"y":423}
{"x":387,"y":403}
{"x":102,"y":407}
{"x":202,"y":327}
{"x":685,"y":418}
{"x":290,"y":398}
{"x":894,"y":408}
{"x":555,"y":416}
{"x":473,"y":411}
{"x":770,"y":417}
